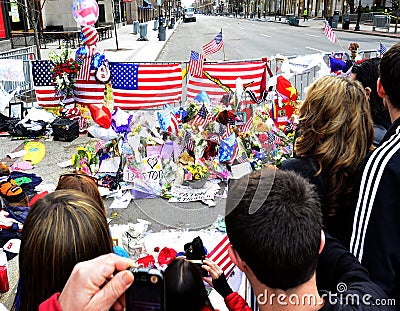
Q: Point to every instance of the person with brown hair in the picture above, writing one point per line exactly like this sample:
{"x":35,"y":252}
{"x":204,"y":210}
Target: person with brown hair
{"x":79,"y":180}
{"x":63,"y":228}
{"x":336,"y":133}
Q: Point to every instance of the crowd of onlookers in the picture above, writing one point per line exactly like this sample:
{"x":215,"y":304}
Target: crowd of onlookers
{"x":318,"y":233}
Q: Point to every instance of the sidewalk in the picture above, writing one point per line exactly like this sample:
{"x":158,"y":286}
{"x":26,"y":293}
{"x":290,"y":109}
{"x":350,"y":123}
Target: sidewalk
{"x":129,"y":48}
{"x":365,"y":29}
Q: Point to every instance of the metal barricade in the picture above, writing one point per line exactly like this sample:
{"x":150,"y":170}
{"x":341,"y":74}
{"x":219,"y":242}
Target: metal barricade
{"x":381,"y":21}
{"x":26,"y":93}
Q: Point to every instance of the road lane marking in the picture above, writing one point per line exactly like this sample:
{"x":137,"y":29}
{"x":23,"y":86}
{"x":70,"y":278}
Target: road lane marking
{"x":241,"y":27}
{"x":316,"y":36}
{"x":261,"y":34}
{"x":310,"y":48}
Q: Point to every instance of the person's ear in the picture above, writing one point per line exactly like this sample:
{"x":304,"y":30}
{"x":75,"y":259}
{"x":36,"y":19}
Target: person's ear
{"x":380,"y":89}
{"x":322,"y":243}
{"x":368,"y":91}
{"x":236,"y":259}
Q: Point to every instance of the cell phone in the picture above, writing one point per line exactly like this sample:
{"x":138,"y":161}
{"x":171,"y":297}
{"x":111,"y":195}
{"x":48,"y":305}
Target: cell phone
{"x":147,"y":291}
{"x":198,"y":264}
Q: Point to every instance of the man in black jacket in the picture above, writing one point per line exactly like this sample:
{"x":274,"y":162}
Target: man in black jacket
{"x":375,"y":237}
{"x":274,"y":224}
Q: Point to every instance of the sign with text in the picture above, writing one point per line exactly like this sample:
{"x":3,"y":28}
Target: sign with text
{"x":187,"y":194}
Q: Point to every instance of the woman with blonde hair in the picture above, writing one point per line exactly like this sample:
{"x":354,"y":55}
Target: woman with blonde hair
{"x":336,"y":133}
{"x":63,"y":228}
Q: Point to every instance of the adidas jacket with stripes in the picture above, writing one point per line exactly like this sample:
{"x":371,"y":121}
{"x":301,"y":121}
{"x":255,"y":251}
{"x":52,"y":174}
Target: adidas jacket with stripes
{"x":375,"y":236}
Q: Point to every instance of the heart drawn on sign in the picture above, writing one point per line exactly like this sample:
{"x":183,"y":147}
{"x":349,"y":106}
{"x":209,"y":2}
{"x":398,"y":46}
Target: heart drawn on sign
{"x":152,"y":162}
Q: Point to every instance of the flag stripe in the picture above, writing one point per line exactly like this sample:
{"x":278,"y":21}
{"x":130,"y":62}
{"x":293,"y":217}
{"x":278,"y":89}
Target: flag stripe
{"x":221,"y":256}
{"x":227,"y":73}
{"x":89,"y":91}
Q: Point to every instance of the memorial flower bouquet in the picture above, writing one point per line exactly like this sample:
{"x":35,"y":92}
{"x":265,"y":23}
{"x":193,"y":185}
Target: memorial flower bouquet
{"x":198,"y":171}
{"x":64,"y":73}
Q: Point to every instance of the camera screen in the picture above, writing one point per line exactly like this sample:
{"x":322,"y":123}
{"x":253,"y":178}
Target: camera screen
{"x":145,"y":294}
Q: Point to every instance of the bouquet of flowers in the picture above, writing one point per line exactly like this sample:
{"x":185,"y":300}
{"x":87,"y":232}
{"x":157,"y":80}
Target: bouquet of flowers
{"x":199,"y":172}
{"x":64,"y":73}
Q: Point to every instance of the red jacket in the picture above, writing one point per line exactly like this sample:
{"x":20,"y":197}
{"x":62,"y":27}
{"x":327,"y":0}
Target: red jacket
{"x":233,"y":301}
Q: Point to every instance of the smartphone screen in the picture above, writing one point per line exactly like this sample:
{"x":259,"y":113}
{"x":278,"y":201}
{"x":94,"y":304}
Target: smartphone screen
{"x":146,"y":293}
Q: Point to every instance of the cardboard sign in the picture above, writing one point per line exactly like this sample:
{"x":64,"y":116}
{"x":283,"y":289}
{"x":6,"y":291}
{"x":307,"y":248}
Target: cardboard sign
{"x":187,"y":194}
{"x":152,"y":169}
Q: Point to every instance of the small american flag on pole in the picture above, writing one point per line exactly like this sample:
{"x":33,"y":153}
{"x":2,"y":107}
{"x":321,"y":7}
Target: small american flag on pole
{"x":382,"y":49}
{"x":214,"y":45}
{"x":188,"y":141}
{"x":196,"y":63}
{"x":203,"y":117}
{"x":221,"y":257}
{"x":329,"y":32}
{"x":248,"y":125}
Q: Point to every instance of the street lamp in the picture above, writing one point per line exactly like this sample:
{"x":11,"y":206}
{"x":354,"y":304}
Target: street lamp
{"x":357,"y":28}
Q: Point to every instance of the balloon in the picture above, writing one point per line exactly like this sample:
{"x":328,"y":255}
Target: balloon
{"x":98,"y":60}
{"x":101,"y":115}
{"x":85,"y":12}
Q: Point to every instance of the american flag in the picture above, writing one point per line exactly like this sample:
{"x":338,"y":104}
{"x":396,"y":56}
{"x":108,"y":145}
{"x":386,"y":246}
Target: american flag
{"x":188,"y":141}
{"x":382,"y":49}
{"x":248,"y":125}
{"x":227,"y":72}
{"x":137,"y":86}
{"x":203,"y":117}
{"x":221,"y":257}
{"x":84,"y":64}
{"x":224,"y":130}
{"x":214,"y":45}
{"x":195,"y":66}
{"x":174,"y":125}
{"x":271,"y":137}
{"x":329,"y":32}
{"x":43,"y":83}
{"x":89,"y":91}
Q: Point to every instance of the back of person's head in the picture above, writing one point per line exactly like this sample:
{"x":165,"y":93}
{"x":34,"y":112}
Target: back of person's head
{"x":336,"y":131}
{"x":389,"y":73}
{"x":63,"y":228}
{"x":367,"y":72}
{"x":81,"y":181}
{"x":184,"y":287}
{"x":274,"y":222}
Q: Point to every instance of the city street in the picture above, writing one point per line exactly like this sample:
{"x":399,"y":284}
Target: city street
{"x":252,"y":39}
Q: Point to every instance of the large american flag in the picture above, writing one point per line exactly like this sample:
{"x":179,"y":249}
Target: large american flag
{"x":89,"y":91}
{"x":227,"y":72}
{"x":329,"y":32}
{"x":195,"y":66}
{"x":214,"y":45}
{"x":221,"y":257}
{"x":137,"y":86}
{"x":43,"y":83}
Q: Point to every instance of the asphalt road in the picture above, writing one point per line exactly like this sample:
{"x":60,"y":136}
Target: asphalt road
{"x":251,"y":39}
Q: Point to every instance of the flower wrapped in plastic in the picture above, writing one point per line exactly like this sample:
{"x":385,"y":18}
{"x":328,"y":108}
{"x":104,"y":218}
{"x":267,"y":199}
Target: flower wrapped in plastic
{"x":64,"y":73}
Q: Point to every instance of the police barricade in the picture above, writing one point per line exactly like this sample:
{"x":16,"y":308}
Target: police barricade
{"x":22,"y":87}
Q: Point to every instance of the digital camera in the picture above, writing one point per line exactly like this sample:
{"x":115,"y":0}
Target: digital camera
{"x":147,"y":291}
{"x":198,"y":264}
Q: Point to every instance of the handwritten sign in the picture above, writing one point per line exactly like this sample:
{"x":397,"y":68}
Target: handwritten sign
{"x":187,"y":194}
{"x":152,"y":169}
